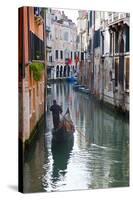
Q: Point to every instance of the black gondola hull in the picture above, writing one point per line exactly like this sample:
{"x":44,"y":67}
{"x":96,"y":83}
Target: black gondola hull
{"x":60,"y":135}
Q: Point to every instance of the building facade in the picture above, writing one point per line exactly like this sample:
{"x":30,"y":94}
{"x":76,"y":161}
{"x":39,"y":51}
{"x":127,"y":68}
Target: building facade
{"x":116,"y":90}
{"x":32,"y":70}
{"x":106,"y":72}
{"x":62,"y":55}
{"x":82,"y":31}
{"x":49,"y":41}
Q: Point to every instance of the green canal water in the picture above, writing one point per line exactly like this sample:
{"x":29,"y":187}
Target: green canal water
{"x":98,"y":157}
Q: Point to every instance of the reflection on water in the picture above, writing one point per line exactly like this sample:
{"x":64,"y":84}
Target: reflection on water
{"x":98,"y":157}
{"x":61,"y":154}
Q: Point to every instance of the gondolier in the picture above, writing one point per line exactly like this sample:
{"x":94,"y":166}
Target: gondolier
{"x":63,"y":128}
{"x":56,"y":111}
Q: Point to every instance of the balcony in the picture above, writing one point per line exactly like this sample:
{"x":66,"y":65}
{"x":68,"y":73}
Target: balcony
{"x":110,"y":18}
{"x":127,"y":14}
{"x":122,"y":15}
{"x":115,"y":16}
{"x":66,"y":61}
{"x":38,"y":13}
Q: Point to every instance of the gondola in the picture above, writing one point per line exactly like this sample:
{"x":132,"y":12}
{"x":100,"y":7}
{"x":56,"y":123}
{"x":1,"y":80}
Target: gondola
{"x":65,"y":130}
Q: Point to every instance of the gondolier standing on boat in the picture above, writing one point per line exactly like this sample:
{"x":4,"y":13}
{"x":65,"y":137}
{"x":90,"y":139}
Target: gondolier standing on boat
{"x":56,"y":111}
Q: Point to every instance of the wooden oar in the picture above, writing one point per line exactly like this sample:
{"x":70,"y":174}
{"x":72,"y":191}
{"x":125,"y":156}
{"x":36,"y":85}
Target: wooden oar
{"x":81,"y":133}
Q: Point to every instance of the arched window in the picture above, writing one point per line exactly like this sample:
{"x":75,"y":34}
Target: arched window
{"x":57,"y":71}
{"x":64,"y":71}
{"x":61,"y":70}
{"x":68,"y":70}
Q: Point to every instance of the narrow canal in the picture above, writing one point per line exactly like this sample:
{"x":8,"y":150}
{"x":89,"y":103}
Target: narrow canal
{"x":97,"y":158}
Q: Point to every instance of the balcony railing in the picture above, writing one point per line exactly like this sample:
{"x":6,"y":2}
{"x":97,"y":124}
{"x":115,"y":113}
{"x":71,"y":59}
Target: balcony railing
{"x":115,"y":16}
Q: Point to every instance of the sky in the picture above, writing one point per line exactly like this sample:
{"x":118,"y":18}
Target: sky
{"x":72,"y":14}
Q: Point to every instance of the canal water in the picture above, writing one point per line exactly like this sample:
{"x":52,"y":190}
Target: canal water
{"x":98,"y":157}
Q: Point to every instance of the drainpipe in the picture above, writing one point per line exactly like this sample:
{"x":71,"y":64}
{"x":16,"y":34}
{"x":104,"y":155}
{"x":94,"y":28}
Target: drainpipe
{"x":45,"y":70}
{"x":113,"y":67}
{"x":29,"y":39}
{"x":23,"y":64}
{"x":21,"y":136}
{"x":93,"y":53}
{"x":102,"y":63}
{"x":81,"y":60}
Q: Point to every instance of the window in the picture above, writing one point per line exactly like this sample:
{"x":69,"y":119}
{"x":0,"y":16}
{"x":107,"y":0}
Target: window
{"x":88,"y":27}
{"x":89,"y":46}
{"x":116,"y":71}
{"x":71,"y":55}
{"x":36,"y":47}
{"x":122,"y":45}
{"x":66,"y":53}
{"x":90,"y":18}
{"x":116,"y":41}
{"x":102,"y":44}
{"x":66,"y":36}
{"x":56,"y":54}
{"x":127,"y":38}
{"x":111,"y":43}
{"x":50,"y":37}
{"x":74,"y":55}
{"x":127,"y":74}
{"x":96,"y":38}
{"x":61,"y":70}
{"x":50,"y":58}
{"x":37,"y":11}
{"x":61,"y":54}
{"x":82,"y":55}
{"x":57,"y":71}
{"x":121,"y":70}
